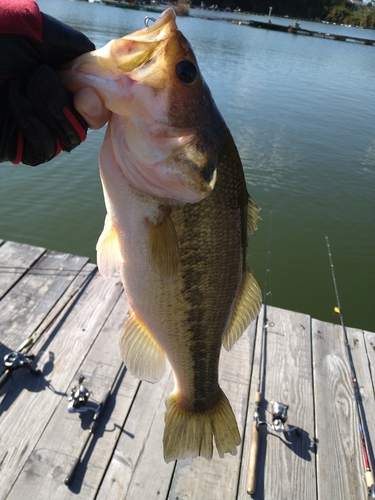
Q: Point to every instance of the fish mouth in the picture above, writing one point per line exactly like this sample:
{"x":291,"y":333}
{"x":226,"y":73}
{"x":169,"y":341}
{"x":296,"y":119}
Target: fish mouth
{"x":124,"y":54}
{"x":135,"y":49}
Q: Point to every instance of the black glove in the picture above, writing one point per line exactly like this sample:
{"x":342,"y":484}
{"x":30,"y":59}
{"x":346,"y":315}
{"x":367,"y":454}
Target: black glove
{"x":37,"y":116}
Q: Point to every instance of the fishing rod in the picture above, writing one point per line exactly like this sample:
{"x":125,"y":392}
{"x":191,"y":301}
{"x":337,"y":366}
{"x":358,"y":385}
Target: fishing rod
{"x":79,"y":403}
{"x":254,"y":445}
{"x":279,"y":410}
{"x":369,"y":476}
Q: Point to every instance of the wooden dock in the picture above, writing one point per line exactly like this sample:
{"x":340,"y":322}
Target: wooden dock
{"x":297,"y":30}
{"x":75,"y":318}
{"x":156,"y":8}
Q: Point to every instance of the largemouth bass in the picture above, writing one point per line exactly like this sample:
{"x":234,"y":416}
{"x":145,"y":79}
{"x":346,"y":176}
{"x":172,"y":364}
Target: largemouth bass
{"x":177,"y":226}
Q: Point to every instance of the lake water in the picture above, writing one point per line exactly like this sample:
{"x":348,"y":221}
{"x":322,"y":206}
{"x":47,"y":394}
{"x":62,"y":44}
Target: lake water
{"x":301,"y":110}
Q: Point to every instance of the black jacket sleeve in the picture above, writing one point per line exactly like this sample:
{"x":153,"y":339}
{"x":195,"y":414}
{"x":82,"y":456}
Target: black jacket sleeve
{"x":37,"y":116}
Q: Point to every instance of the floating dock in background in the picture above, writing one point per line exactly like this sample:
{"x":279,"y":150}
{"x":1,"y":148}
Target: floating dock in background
{"x":297,"y":30}
{"x":75,"y":317}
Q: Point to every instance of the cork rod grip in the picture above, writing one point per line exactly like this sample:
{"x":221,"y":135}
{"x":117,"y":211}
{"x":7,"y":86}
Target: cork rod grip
{"x":252,"y":479}
{"x":254,"y":445}
{"x":369,"y":478}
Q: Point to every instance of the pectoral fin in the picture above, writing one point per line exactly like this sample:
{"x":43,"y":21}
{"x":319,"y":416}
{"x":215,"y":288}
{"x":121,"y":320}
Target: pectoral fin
{"x":108,"y":250}
{"x":163,"y":247}
{"x":246,"y":309}
{"x":140,"y":352}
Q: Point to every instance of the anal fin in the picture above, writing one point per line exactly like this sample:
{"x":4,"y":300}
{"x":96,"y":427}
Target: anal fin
{"x":246,"y":309}
{"x":140,"y":352}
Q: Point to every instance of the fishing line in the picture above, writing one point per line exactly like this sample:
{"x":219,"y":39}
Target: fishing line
{"x":262,"y":364}
{"x":369,"y":477}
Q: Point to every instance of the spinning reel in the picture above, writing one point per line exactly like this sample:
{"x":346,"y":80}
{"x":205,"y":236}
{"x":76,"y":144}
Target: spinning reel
{"x":279,"y":417}
{"x":79,"y":399}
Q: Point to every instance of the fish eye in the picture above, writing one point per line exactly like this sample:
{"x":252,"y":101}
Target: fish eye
{"x":186,"y":71}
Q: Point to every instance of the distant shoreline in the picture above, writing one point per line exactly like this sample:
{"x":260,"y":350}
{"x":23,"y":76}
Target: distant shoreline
{"x":246,"y":13}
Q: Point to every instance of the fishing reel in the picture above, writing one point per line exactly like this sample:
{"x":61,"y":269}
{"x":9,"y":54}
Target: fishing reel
{"x":279,"y":417}
{"x":16,"y":360}
{"x":371,"y":493}
{"x":79,"y":399}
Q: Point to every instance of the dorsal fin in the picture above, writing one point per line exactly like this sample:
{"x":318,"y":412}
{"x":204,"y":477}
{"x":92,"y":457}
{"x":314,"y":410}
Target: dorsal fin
{"x":163,"y":247}
{"x":245,"y":311}
{"x":140,"y":352}
{"x":108,"y":249}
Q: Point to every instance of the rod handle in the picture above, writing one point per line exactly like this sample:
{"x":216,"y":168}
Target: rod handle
{"x":369,"y":478}
{"x":258,"y":398}
{"x":251,"y":478}
{"x":3,"y":378}
{"x":69,"y":478}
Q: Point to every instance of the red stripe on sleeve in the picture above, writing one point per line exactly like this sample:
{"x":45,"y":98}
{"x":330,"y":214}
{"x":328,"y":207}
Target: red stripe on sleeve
{"x":19,"y":150}
{"x":58,"y":148}
{"x":73,"y":120}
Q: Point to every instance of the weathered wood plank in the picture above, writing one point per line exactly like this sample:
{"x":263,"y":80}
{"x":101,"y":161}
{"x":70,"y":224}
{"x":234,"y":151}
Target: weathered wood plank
{"x":286,"y":462}
{"x":86,"y":274}
{"x":15,"y":260}
{"x":221,"y":474}
{"x":79,"y":281}
{"x":31,"y":299}
{"x":137,"y":469}
{"x":70,"y":337}
{"x":152,"y":476}
{"x":339,"y":458}
{"x":65,"y":434}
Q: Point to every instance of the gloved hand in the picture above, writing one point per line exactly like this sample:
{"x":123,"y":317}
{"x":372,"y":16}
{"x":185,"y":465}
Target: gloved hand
{"x":37,"y":116}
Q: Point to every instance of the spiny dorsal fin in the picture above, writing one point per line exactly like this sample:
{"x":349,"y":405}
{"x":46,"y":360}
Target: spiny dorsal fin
{"x":140,"y":352}
{"x":108,"y":250}
{"x":246,"y":309}
{"x":163,"y":247}
{"x":252,"y":215}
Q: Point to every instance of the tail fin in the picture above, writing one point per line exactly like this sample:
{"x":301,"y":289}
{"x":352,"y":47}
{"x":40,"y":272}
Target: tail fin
{"x":189,"y":434}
